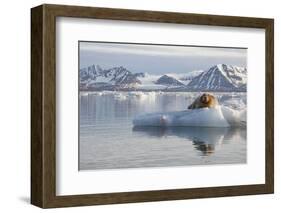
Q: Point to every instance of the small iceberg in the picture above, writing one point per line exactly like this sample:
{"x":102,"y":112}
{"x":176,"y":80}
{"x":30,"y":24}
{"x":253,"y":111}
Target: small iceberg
{"x":120,"y":96}
{"x":219,"y":116}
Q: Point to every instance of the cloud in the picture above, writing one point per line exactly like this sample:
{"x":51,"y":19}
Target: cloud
{"x":162,"y":50}
{"x":158,"y":59}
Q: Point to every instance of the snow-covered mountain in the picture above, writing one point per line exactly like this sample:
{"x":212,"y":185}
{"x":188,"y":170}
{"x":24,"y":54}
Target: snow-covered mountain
{"x":220,"y":77}
{"x":94,"y":77}
{"x":168,"y":81}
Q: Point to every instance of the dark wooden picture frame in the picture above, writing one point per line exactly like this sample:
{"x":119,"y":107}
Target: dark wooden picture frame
{"x":43,"y":105}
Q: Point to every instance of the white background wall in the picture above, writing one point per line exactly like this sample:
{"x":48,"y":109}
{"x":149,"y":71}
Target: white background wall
{"x":15,"y":104}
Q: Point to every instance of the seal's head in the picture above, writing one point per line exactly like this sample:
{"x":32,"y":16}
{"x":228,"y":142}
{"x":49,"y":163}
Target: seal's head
{"x":205,"y":100}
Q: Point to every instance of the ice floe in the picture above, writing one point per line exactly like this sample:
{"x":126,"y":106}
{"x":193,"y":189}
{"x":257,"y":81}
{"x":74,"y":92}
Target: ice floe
{"x":220,"y":116}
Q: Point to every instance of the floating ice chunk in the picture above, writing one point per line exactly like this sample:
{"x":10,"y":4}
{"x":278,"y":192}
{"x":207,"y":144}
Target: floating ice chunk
{"x":234,"y":117}
{"x":204,"y":117}
{"x":235,"y":104}
{"x":120,"y":96}
{"x":83,"y":93}
{"x":142,"y":96}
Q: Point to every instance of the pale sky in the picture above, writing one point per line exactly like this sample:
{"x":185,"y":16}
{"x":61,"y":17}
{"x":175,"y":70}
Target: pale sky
{"x":158,"y":59}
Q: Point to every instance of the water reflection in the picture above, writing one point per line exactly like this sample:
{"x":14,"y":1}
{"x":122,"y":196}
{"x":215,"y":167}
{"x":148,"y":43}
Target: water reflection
{"x":204,"y":139}
{"x":107,"y":140}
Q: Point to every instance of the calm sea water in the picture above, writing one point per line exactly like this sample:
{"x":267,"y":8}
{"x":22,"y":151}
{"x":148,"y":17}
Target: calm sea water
{"x":108,"y":139}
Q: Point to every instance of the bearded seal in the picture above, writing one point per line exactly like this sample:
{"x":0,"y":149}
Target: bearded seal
{"x":205,"y":100}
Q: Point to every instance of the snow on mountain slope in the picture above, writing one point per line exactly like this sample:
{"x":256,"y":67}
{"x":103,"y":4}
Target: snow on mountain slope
{"x":94,"y":77}
{"x":148,"y":82}
{"x":168,"y":81}
{"x":90,"y":73}
{"x":221,"y":77}
{"x":185,"y":78}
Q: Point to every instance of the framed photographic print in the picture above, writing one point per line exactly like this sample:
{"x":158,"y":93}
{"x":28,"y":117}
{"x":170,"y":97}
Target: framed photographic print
{"x":136,"y":106}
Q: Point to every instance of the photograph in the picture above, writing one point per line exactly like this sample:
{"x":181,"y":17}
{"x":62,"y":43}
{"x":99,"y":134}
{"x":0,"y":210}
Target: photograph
{"x":161,"y":105}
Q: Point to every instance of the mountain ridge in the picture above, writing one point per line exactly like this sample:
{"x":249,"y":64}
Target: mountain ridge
{"x":220,"y":77}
